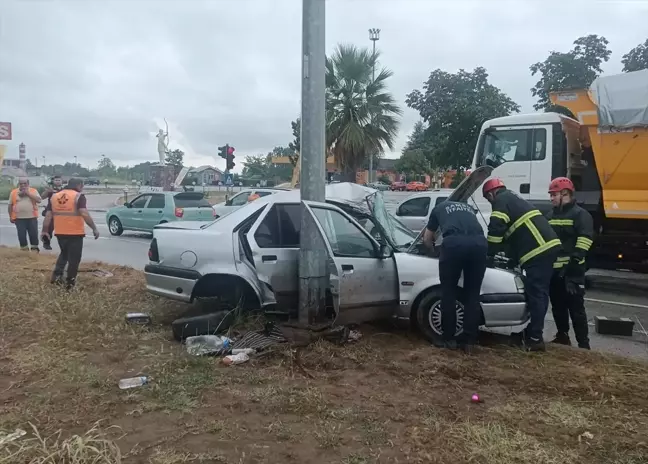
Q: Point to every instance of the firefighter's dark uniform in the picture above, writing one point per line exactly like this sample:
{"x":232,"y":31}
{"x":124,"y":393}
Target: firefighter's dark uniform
{"x":463,"y":249}
{"x":575,"y":229}
{"x":530,"y":241}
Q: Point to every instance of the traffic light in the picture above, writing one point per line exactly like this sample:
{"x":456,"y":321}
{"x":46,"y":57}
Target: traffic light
{"x":222,"y":151}
{"x":230,"y":158}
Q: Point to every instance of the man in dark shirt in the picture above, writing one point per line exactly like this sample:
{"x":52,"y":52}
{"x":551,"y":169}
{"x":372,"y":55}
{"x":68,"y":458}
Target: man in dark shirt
{"x":463,"y":249}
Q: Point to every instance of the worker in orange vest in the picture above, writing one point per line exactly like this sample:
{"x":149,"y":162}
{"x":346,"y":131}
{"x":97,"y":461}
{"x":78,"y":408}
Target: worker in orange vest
{"x":68,"y":210}
{"x":23,"y":212}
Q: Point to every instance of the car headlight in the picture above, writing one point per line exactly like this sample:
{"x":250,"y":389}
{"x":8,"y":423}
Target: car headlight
{"x":519,"y":283}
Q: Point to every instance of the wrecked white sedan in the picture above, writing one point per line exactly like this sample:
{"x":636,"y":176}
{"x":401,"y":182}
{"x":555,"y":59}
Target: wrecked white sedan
{"x":377,"y":267}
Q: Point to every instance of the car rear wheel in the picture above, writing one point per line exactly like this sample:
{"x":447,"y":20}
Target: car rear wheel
{"x":115,"y":226}
{"x":428,"y":316}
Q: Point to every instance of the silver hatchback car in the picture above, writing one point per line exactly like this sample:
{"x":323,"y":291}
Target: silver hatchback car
{"x":377,"y":268}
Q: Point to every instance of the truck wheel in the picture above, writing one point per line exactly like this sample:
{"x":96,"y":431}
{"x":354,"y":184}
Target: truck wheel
{"x":115,"y":226}
{"x":428,"y":316}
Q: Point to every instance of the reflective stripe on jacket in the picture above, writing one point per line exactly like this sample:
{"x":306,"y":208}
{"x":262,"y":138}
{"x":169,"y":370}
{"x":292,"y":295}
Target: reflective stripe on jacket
{"x":13,"y":200}
{"x":67,"y":219}
{"x":575,"y":229}
{"x":516,"y":222}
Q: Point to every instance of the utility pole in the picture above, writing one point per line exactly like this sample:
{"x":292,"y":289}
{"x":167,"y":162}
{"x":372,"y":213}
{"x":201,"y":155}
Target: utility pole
{"x":374,"y":36}
{"x":312,"y":256}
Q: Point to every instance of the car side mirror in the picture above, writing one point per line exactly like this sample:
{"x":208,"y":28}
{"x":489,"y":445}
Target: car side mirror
{"x":127,"y":204}
{"x":228,"y":202}
{"x":385,"y":251}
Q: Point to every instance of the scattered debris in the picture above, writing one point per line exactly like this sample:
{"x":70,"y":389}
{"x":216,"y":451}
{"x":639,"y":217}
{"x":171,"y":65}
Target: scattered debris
{"x":138,"y":318}
{"x":476,"y":398}
{"x":354,"y":335}
{"x":234,"y":359}
{"x":9,"y":437}
{"x":585,"y":436}
{"x":205,"y":345}
{"x":101,"y":273}
{"x":262,"y":339}
{"x":133,"y":382}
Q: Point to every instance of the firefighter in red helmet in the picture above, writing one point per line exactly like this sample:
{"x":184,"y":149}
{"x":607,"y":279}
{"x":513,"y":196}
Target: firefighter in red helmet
{"x":532,"y":243}
{"x":575,"y":229}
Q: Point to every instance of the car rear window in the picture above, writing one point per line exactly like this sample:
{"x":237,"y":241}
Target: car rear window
{"x":190,"y":200}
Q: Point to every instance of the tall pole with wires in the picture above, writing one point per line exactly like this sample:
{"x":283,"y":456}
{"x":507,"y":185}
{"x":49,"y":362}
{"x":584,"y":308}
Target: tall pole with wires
{"x":374,"y":36}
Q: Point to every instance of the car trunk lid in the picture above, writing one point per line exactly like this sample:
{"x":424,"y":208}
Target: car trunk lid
{"x":192,"y":206}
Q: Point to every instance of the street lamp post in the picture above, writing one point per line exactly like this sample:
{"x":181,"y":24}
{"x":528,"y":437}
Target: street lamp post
{"x":374,"y":36}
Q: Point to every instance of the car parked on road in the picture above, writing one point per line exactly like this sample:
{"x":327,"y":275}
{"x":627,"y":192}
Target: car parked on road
{"x":416,"y":186}
{"x":241,"y":199}
{"x":378,"y":185}
{"x":377,"y":268}
{"x":146,"y":211}
{"x":398,"y":186}
{"x":415,"y":210}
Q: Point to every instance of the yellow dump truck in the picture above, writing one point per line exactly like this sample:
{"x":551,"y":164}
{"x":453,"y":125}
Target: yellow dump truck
{"x":602,"y":146}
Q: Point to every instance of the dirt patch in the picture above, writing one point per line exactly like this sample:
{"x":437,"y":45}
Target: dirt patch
{"x":387,"y":398}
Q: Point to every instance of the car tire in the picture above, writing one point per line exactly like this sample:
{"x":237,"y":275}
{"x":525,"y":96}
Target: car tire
{"x":428,"y":316}
{"x":115,"y":226}
{"x":204,"y":324}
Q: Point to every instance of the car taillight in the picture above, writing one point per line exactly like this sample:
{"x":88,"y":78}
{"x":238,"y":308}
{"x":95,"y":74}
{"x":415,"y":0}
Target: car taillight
{"x":179,"y":212}
{"x":153,"y":251}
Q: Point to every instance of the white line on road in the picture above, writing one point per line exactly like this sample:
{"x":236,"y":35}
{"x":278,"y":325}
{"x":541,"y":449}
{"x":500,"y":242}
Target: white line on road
{"x":618,"y":303}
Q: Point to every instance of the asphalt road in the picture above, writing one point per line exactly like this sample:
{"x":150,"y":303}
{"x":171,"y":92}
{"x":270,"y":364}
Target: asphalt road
{"x":613,"y":294}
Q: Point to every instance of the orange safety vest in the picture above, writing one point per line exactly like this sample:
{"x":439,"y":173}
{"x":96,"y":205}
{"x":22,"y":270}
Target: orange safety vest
{"x":67,"y":219}
{"x":13,"y":198}
{"x":253,"y":197}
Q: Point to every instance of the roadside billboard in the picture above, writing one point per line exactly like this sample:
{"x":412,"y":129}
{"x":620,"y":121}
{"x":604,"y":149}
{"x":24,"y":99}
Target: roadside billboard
{"x":5,"y":131}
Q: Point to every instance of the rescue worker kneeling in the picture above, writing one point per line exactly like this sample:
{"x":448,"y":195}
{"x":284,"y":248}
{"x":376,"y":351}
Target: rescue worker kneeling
{"x":464,"y":250}
{"x":575,"y":229}
{"x":532,"y":243}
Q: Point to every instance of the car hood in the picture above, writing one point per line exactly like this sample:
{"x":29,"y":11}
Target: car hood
{"x":187,"y":225}
{"x":470,"y":184}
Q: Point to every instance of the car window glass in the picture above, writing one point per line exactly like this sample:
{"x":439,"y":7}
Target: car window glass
{"x":139,"y":202}
{"x":418,"y":207}
{"x":267,"y":234}
{"x":346,"y":238}
{"x":241,"y":198}
{"x":157,"y":201}
{"x":439,"y":200}
{"x":263,"y":194}
{"x":191,"y":200}
{"x":290,"y":224}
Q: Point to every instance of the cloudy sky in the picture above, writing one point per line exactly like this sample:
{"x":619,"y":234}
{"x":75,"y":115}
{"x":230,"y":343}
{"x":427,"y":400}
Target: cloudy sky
{"x":89,"y":77}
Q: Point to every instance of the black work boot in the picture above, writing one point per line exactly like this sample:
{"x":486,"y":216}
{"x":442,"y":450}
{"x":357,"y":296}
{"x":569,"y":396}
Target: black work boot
{"x":562,"y":338}
{"x":585,"y":344}
{"x":70,"y":284}
{"x":56,"y":279}
{"x":535,"y":344}
{"x":35,"y":248}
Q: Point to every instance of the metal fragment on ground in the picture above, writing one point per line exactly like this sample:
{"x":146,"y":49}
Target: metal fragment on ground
{"x":261,"y":339}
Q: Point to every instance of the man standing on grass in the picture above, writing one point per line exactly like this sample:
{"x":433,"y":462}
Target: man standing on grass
{"x":55,"y":186}
{"x":23,"y":212}
{"x":68,"y":211}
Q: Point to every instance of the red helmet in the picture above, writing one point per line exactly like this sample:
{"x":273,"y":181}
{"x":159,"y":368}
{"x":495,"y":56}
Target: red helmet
{"x":491,"y":185}
{"x":561,"y":183}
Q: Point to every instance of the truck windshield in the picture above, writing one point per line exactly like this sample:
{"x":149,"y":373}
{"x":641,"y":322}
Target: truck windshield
{"x":497,"y":147}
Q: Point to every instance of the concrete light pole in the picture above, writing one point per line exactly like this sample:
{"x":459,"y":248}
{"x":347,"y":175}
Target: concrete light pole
{"x":312,"y":256}
{"x":374,"y":36}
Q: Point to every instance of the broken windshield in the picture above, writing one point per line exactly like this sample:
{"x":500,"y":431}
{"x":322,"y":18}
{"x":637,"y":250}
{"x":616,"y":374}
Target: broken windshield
{"x":399,"y":235}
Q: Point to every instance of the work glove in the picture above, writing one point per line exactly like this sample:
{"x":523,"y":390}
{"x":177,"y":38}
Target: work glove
{"x":574,"y":285}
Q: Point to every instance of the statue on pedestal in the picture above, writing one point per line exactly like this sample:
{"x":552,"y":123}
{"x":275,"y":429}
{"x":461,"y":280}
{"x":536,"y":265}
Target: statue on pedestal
{"x":163,"y":144}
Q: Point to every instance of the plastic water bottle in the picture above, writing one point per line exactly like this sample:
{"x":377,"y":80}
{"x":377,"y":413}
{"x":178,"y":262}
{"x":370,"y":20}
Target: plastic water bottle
{"x":133,"y":382}
{"x":235,"y":359}
{"x":202,"y":345}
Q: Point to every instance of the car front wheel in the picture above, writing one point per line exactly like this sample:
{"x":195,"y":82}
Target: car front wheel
{"x":115,"y":226}
{"x":429,"y":316}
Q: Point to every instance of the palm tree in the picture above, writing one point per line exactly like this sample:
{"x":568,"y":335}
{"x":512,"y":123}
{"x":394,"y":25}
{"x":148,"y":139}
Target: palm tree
{"x":361,"y":116}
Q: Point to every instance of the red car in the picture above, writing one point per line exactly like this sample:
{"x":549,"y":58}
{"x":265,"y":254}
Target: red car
{"x":398,"y":186}
{"x":416,"y":187}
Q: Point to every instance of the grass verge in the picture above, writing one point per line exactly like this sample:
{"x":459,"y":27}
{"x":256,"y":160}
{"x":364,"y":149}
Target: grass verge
{"x":388,"y":398}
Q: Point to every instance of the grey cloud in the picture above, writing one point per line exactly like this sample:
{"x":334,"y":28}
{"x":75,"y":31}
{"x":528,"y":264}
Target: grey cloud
{"x":86,"y":78}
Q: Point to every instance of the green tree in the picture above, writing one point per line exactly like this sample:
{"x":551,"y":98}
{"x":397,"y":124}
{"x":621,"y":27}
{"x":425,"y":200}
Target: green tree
{"x":361,"y":115}
{"x":255,"y":167}
{"x":454,"y":106}
{"x":106,"y":167}
{"x":575,"y":69}
{"x":413,"y":162}
{"x":636,"y":59}
{"x":175,"y":158}
{"x":295,"y":145}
